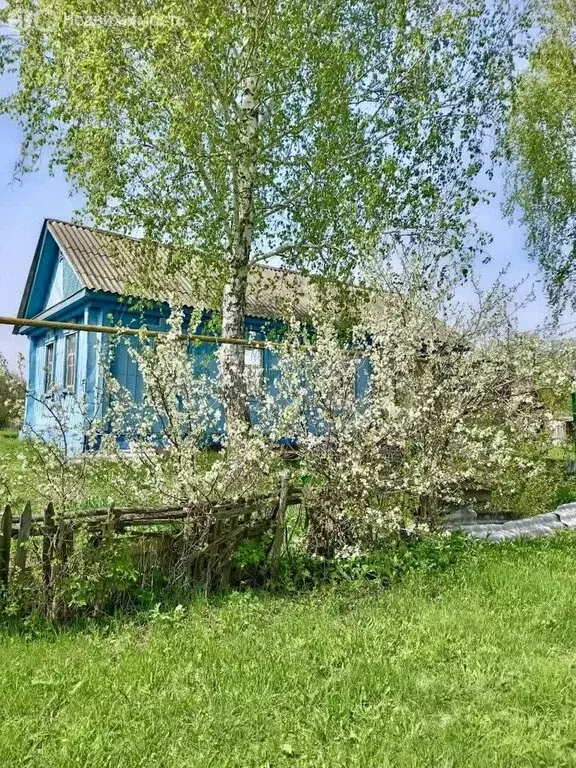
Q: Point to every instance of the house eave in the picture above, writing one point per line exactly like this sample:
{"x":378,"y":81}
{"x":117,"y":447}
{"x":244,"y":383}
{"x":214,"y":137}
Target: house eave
{"x":31,"y":275}
{"x":55,"y":312}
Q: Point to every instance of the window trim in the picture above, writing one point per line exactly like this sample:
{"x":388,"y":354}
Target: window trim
{"x":255,"y":390}
{"x":72,"y":387}
{"x":49,"y":371}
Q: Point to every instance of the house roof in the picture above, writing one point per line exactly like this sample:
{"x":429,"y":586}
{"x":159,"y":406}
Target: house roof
{"x":124,"y":265}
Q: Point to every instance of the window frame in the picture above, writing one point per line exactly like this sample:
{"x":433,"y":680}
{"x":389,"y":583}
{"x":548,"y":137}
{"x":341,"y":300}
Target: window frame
{"x":254,"y":382}
{"x":70,"y":388}
{"x":49,"y":369}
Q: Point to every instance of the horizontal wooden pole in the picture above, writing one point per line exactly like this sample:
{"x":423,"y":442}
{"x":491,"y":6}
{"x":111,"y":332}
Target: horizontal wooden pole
{"x":96,"y":519}
{"x":195,"y":506}
{"x":23,"y":322}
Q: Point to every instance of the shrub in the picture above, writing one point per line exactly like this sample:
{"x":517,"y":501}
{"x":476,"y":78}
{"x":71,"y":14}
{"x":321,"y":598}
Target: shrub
{"x":434,"y":553}
{"x":11,"y":396}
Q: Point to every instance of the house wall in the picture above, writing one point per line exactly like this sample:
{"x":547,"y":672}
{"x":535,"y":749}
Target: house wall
{"x":60,"y":296}
{"x":561,"y":431}
{"x":88,"y":401}
{"x":46,"y":412}
{"x":56,"y":416}
{"x":64,"y":283}
{"x":55,"y":292}
{"x":205,"y":354}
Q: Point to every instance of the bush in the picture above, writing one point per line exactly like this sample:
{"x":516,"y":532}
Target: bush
{"x":542,"y":489}
{"x":433,"y":553}
{"x":103,"y":575}
{"x":564,"y":493}
{"x":11,"y":396}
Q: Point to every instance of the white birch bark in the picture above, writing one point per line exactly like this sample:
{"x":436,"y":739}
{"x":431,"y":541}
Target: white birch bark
{"x":234,"y":294}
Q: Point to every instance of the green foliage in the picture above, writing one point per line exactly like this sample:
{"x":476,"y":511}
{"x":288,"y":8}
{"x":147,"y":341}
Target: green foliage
{"x":532,"y":494}
{"x":11,"y":396}
{"x":368,"y":119}
{"x":250,"y":553}
{"x":385,"y":568}
{"x":472,"y":667}
{"x":536,"y":483}
{"x":22,"y":474}
{"x":99,"y":574}
{"x":564,"y":493}
{"x":540,"y":144}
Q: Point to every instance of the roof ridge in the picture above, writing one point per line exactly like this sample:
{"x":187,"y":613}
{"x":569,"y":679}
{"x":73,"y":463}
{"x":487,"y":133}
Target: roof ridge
{"x":99,"y":229}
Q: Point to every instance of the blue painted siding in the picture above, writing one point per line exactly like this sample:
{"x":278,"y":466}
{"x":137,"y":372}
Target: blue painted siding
{"x":41,"y":406}
{"x":89,"y":388}
{"x":126,"y":370}
{"x":58,"y":294}
{"x":43,"y":279}
{"x":363,"y":371}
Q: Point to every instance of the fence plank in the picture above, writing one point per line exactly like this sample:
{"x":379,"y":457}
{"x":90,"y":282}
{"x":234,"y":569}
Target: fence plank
{"x":119,"y":519}
{"x":113,"y":518}
{"x":5,"y":542}
{"x":48,"y":545}
{"x":23,"y":536}
{"x":279,"y":529}
{"x":62,"y":543}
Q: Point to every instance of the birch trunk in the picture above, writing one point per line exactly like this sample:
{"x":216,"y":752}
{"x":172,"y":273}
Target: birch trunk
{"x":234,"y":294}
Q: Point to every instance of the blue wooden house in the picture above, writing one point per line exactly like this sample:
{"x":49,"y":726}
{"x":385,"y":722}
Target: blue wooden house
{"x":86,"y":275}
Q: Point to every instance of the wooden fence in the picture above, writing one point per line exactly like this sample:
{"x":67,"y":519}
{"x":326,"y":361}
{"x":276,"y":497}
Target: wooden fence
{"x":57,"y":532}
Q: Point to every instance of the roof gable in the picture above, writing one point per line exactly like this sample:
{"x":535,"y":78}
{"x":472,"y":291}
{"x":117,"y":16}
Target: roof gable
{"x":105,"y":262}
{"x":51,"y":278}
{"x":64,"y":283}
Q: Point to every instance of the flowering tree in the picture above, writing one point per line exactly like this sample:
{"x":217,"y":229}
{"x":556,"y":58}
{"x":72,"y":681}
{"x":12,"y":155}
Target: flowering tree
{"x":10,"y":395}
{"x":418,"y":400}
{"x":170,"y":429}
{"x":420,"y":394}
{"x":449,"y":401}
{"x":48,"y":464}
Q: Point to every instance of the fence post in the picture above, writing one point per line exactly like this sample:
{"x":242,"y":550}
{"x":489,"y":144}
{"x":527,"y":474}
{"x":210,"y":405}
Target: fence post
{"x":279,"y":528}
{"x":61,"y":549}
{"x":23,"y":536}
{"x":5,"y":542}
{"x":47,"y":547}
{"x":112,"y":519}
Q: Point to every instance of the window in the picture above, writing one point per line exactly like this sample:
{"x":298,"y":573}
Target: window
{"x":49,"y":368}
{"x":253,"y":369}
{"x":70,"y":362}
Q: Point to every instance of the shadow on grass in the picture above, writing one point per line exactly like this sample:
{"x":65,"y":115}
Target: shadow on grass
{"x":298,"y":576}
{"x":439,"y":562}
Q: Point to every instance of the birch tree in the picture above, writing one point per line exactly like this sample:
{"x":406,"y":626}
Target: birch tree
{"x":541,"y":143}
{"x":304,"y":132}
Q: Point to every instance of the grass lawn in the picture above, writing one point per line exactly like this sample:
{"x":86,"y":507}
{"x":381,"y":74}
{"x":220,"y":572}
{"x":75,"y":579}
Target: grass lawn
{"x":106,"y":480}
{"x":472,"y":667}
{"x":22,"y":483}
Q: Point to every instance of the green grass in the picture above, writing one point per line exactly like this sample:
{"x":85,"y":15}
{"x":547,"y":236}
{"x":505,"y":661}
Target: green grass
{"x":473,"y":667}
{"x":23,"y":482}
{"x":106,"y":479}
{"x":9,"y":443}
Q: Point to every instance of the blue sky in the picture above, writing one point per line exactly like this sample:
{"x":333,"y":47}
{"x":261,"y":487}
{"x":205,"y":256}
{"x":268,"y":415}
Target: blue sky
{"x":24,"y":205}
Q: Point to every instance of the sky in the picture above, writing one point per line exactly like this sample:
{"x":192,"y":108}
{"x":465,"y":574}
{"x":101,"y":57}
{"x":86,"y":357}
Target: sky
{"x":24,"y":205}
